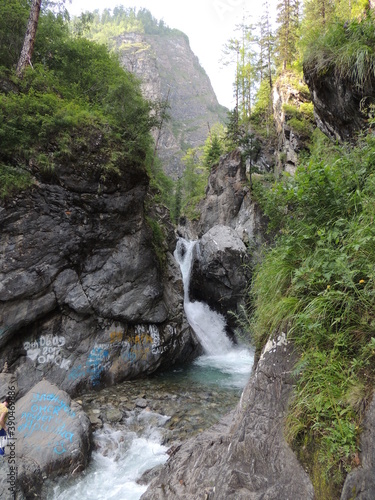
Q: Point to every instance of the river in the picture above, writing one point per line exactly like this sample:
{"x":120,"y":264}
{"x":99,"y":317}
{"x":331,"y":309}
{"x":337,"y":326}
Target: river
{"x":143,"y":419}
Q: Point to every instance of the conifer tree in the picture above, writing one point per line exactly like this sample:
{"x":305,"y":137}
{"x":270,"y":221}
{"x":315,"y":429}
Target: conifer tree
{"x":287,"y":33}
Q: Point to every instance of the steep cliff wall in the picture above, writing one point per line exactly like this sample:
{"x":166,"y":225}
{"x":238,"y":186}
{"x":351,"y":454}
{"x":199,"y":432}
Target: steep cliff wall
{"x":170,"y":71}
{"x":84,"y":299}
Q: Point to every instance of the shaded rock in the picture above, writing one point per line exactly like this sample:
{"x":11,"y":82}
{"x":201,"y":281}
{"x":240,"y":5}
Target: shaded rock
{"x":84,"y":299}
{"x":169,"y":70}
{"x":245,"y":456}
{"x":224,"y":194}
{"x":339,"y":104}
{"x":229,"y":202}
{"x":360,"y":483}
{"x":219,"y":275}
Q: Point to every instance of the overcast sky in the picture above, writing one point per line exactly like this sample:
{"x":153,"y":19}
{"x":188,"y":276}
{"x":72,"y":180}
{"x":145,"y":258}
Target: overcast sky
{"x":207,"y":23}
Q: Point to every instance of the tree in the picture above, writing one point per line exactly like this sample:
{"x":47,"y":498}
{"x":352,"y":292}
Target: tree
{"x":287,"y":33}
{"x":266,"y":42}
{"x":29,"y":41}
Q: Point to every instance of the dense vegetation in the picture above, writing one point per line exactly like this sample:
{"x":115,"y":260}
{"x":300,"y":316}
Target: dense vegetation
{"x":74,"y":95}
{"x":317,"y":281}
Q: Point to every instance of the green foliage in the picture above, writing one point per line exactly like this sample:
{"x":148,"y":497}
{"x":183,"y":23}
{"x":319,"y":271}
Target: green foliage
{"x":13,"y":21}
{"x":158,"y":239}
{"x":73,"y":98}
{"x":346,"y":48}
{"x":317,"y":283}
{"x":13,"y":180}
{"x":192,"y":184}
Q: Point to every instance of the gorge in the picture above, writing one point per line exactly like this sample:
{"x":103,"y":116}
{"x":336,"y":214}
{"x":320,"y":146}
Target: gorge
{"x":109,"y":351}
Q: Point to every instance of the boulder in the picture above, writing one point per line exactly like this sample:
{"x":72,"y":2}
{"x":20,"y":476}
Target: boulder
{"x":49,"y":436}
{"x":245,"y":456}
{"x":219,"y":273}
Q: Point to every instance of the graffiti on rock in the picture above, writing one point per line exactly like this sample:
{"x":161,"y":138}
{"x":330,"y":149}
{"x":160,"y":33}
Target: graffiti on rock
{"x":50,"y":416}
{"x":47,"y":349}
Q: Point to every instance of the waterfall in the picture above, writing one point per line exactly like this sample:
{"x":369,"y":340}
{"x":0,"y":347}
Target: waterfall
{"x":208,"y":325}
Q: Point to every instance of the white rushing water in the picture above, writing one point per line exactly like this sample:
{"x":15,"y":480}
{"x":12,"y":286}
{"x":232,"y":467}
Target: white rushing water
{"x":120,"y":459}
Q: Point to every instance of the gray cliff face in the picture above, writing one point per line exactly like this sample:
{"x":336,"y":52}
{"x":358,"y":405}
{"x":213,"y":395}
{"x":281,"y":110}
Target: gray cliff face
{"x":83,"y":298}
{"x":339,"y":104}
{"x":228,"y":201}
{"x":360,"y":483}
{"x":170,"y":71}
{"x":245,"y":456}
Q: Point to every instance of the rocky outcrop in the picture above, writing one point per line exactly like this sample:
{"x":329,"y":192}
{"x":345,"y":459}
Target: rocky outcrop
{"x":245,"y":456}
{"x":360,"y":483}
{"x":228,"y":201}
{"x":84,"y":299}
{"x":170,"y":72}
{"x":339,"y":104}
{"x":293,"y":130}
{"x":49,"y":436}
{"x":220,"y":270}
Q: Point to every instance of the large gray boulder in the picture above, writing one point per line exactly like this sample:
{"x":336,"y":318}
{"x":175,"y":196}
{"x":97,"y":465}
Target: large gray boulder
{"x":220,"y":270}
{"x":50,"y":436}
{"x":244,"y":457}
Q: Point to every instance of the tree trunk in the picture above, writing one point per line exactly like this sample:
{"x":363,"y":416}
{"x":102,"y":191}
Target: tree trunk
{"x":29,"y":41}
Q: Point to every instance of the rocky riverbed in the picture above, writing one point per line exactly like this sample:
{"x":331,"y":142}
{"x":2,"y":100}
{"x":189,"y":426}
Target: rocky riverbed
{"x":138,"y":424}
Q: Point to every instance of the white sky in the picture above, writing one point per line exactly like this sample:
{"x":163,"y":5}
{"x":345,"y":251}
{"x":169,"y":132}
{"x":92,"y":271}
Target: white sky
{"x":207,"y":23}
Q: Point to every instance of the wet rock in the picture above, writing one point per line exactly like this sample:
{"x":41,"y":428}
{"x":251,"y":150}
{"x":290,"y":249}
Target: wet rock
{"x":245,"y":455}
{"x":114,"y":415}
{"x":220,"y":270}
{"x":141,"y":403}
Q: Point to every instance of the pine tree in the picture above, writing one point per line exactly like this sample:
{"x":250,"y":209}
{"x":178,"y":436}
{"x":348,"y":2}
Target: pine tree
{"x":287,"y":33}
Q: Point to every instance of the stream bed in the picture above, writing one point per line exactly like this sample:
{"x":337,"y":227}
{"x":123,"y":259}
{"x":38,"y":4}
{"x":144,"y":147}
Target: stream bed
{"x":139,"y":421}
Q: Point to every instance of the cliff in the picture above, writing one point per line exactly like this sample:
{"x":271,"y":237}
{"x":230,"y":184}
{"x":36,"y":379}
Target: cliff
{"x":84,"y":298}
{"x":170,"y":72}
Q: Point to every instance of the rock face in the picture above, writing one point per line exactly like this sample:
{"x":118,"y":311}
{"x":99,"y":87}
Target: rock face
{"x":339,"y":104}
{"x":51,"y":437}
{"x":83,"y":297}
{"x":291,"y":141}
{"x":219,"y":274}
{"x":228,"y":201}
{"x":360,"y":483}
{"x":245,"y":456}
{"x":170,"y":71}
